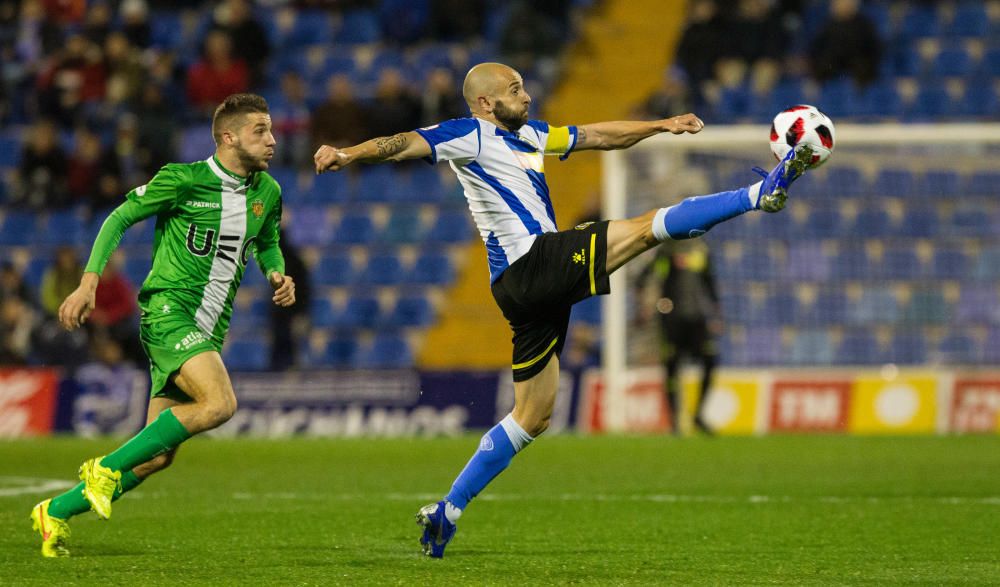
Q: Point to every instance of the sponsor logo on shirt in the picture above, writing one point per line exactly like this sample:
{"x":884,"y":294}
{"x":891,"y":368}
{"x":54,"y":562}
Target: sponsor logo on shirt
{"x":196,"y":204}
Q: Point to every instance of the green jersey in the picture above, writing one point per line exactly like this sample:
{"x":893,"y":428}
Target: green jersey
{"x":208,"y":222}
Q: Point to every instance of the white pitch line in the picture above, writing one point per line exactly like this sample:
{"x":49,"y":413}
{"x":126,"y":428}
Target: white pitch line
{"x":35,"y":485}
{"x":653,"y":498}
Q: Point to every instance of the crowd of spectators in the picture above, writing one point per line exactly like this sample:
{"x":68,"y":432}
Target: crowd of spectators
{"x":98,"y":102}
{"x":756,"y":43}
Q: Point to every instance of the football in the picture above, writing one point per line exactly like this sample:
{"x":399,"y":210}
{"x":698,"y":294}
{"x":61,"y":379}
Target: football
{"x":803,"y":124}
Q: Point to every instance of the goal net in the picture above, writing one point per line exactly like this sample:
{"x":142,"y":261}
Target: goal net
{"x":886,"y":257}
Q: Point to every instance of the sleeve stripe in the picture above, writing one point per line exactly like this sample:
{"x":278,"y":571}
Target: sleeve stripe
{"x":572,"y":143}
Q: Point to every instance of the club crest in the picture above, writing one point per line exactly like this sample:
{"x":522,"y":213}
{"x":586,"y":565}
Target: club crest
{"x":257,"y":207}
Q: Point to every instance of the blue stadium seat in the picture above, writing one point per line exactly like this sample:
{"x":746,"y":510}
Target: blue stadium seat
{"x":949,"y":263}
{"x":970,"y":219}
{"x":311,"y":27}
{"x":136,"y":267}
{"x":980,"y":100}
{"x":360,"y":311}
{"x":811,"y":347}
{"x":957,"y":349}
{"x":859,"y":348}
{"x":982,"y":183}
{"x":872,"y":221}
{"x":330,"y":188}
{"x":310,"y":226}
{"x":846,"y":181}
{"x":340,"y":351}
{"x":18,"y":228}
{"x":334,"y":269}
{"x":928,"y":305}
{"x":953,"y":62}
{"x":938,"y":183}
{"x":247,"y":355}
{"x":919,"y":221}
{"x":410,"y":311}
{"x":876,"y":306}
{"x":63,"y":227}
{"x":932,"y":102}
{"x":10,"y":150}
{"x":970,"y":20}
{"x":432,"y":268}
{"x":908,"y":348}
{"x":423,"y":185}
{"x":977,"y":305}
{"x":387,"y":351}
{"x":763,"y":346}
{"x":828,"y":309}
{"x":383,"y":269}
{"x":196,"y":143}
{"x":377,"y":183}
{"x":321,"y":312}
{"x":991,"y":350}
{"x":987,"y":266}
{"x":404,"y":226}
{"x":898,"y":262}
{"x":851,"y":262}
{"x":588,"y":311}
{"x":990,"y":64}
{"x":451,"y":226}
{"x":141,"y":233}
{"x":355,"y":228}
{"x":893,"y":182}
{"x":881,"y":99}
{"x":359,"y":26}
{"x":807,"y":262}
{"x":920,"y":21}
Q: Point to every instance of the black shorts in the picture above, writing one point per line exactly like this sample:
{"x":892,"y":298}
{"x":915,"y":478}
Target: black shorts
{"x":537,"y":291}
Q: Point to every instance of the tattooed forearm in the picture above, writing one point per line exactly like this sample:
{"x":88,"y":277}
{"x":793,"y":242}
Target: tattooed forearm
{"x":389,"y":146}
{"x":581,"y":136}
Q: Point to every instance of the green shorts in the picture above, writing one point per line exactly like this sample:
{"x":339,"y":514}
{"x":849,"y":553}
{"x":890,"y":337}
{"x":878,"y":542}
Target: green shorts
{"x":170,"y":339}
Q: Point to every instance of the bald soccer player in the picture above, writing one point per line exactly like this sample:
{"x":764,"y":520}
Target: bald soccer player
{"x":538,"y":272}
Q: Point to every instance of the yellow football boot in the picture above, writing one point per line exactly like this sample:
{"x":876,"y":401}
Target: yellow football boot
{"x":99,"y":485}
{"x":55,"y":532}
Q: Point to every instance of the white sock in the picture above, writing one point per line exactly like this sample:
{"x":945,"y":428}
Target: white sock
{"x":754,"y":194}
{"x":451,"y":512}
{"x":659,"y":228}
{"x":518,"y":437}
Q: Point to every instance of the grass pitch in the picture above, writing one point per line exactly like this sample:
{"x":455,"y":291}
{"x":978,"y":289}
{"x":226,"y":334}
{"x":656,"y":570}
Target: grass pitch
{"x":585,"y":511}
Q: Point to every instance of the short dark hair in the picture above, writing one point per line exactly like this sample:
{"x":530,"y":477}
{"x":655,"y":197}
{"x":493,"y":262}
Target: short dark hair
{"x":234,"y":106}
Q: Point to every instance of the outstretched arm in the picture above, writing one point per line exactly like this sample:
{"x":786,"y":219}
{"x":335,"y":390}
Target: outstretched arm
{"x":607,"y":136}
{"x":398,"y":147}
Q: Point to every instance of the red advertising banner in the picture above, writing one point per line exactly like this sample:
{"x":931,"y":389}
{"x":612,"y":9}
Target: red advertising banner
{"x":27,"y":401}
{"x":975,"y":405}
{"x":810,"y":406}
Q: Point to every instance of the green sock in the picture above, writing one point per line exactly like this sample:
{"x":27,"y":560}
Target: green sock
{"x":160,"y":436}
{"x":73,"y":502}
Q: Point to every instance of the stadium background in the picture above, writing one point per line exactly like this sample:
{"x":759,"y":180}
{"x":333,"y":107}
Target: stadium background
{"x":398,"y":334}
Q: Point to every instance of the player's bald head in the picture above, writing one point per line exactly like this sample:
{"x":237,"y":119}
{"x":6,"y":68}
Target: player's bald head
{"x":486,"y":79}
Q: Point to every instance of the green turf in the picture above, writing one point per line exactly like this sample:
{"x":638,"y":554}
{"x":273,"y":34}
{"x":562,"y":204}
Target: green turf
{"x":586,"y":511}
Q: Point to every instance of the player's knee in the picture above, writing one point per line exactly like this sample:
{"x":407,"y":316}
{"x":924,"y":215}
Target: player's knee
{"x":221,"y":410}
{"x":539,"y":426}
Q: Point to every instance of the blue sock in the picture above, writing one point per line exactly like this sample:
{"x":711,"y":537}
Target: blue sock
{"x":693,"y":217}
{"x":496,"y":449}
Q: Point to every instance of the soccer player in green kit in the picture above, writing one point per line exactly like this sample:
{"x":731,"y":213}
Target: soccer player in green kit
{"x":210,"y":216}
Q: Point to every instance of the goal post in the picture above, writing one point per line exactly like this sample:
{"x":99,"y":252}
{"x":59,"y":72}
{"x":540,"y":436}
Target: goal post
{"x":888,"y":167}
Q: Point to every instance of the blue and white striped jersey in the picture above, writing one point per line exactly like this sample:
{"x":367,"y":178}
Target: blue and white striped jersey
{"x":503,"y":174}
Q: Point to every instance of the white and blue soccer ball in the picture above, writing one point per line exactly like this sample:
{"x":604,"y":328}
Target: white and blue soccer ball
{"x":803,"y":124}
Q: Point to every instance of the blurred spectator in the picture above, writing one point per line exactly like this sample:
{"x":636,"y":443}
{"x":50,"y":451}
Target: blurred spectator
{"x":403,"y":21}
{"x":90,"y":168}
{"x":217,"y":75}
{"x":164,"y":73}
{"x":395,"y":108}
{"x":701,"y":44}
{"x":42,"y":173}
{"x":249,"y":39}
{"x":847,"y":45}
{"x":527,"y":37}
{"x":60,"y":280}
{"x":75,"y":75}
{"x":671,"y":98}
{"x":341,"y":119}
{"x":157,"y":130}
{"x":290,"y":121}
{"x":135,"y":22}
{"x":17,"y":322}
{"x":38,"y":34}
{"x":755,"y":45}
{"x":441,"y":99}
{"x":12,"y":284}
{"x":123,"y":63}
{"x":66,"y":12}
{"x":290,"y":324}
{"x":456,"y":20}
{"x":128,"y":154}
{"x":115,"y":309}
{"x":97,"y":24}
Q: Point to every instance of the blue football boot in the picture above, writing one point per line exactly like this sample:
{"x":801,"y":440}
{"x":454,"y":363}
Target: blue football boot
{"x":438,"y":530}
{"x":774,"y":188}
